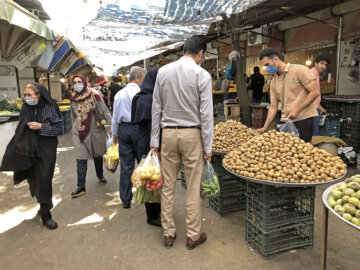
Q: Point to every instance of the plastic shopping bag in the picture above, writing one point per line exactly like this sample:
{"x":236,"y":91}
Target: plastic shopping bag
{"x":111,"y":158}
{"x":150,"y":172}
{"x":209,"y":186}
{"x":142,"y":195}
{"x":109,"y":142}
{"x":289,"y":127}
{"x":135,"y":177}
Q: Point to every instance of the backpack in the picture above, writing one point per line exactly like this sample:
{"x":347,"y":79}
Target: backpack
{"x":230,"y":71}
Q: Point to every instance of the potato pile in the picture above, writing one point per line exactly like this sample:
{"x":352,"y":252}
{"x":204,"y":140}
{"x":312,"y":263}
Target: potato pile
{"x":230,"y":135}
{"x":281,"y":157}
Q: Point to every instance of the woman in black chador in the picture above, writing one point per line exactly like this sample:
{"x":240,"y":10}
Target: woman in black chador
{"x":31,"y":153}
{"x":141,"y":114}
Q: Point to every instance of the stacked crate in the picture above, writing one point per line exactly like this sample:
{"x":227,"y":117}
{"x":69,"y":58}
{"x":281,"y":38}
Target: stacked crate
{"x":279,"y":218}
{"x":259,"y":117}
{"x":331,"y":127}
{"x":332,"y":106}
{"x":232,"y":190}
{"x":66,"y":121}
{"x":350,"y":130}
{"x":232,"y":112}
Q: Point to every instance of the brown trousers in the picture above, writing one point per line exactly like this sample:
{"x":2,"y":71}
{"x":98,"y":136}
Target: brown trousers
{"x":186,"y":146}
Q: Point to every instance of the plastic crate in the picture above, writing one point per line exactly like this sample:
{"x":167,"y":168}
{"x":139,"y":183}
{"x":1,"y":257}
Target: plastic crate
{"x":351,"y":110}
{"x":227,"y":204}
{"x":285,"y":211}
{"x":269,"y":243}
{"x":329,"y":132}
{"x":271,"y":195}
{"x":332,"y":106}
{"x":258,"y":122}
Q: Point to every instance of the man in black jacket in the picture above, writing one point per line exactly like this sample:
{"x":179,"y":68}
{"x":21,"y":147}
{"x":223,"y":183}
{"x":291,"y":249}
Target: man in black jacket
{"x":256,"y":83}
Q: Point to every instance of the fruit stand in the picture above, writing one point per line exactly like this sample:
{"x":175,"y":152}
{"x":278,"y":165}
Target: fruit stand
{"x":341,"y":208}
{"x":281,"y":172}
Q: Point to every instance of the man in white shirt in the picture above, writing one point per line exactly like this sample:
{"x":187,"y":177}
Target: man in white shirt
{"x":183,"y":108}
{"x":125,"y":133}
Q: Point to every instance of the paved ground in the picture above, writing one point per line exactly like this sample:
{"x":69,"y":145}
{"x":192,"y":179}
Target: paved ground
{"x":95,"y":232}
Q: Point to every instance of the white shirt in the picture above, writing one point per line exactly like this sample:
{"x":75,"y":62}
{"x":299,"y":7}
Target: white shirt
{"x":122,"y":106}
{"x":183,"y":97}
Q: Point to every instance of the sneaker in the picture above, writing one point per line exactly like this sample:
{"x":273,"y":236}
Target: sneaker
{"x":102,"y":180}
{"x":78,"y":192}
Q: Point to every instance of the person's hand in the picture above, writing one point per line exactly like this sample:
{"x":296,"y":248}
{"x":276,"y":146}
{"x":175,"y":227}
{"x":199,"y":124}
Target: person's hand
{"x":208,"y":156}
{"x":110,"y":131}
{"x":323,"y":111}
{"x":109,"y":103}
{"x":154,"y":149}
{"x":293,"y":114}
{"x":115,"y":140}
{"x":261,"y":130}
{"x":34,"y":125}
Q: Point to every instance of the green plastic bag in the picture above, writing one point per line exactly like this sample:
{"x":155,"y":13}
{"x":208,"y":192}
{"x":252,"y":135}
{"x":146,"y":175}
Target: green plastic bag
{"x":209,"y":186}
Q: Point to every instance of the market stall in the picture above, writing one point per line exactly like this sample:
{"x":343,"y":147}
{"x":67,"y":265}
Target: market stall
{"x":281,"y":172}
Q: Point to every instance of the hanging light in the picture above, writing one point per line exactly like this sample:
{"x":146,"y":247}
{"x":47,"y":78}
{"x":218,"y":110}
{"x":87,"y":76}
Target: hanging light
{"x":263,"y":67}
{"x":308,"y":62}
{"x":62,"y":80}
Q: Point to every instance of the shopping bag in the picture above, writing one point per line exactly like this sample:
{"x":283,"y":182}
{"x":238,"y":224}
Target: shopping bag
{"x":135,"y":177}
{"x":209,"y":186}
{"x":142,"y":195}
{"x":150,"y":172}
{"x":109,"y":142}
{"x":289,"y":127}
{"x":111,"y":158}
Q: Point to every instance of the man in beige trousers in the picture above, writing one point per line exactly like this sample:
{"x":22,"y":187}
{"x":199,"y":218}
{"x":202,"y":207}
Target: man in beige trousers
{"x":182,"y":108}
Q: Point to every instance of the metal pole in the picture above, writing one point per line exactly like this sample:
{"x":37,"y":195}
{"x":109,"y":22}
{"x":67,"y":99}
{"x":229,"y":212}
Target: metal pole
{"x":325,"y":236}
{"x":338,"y":55}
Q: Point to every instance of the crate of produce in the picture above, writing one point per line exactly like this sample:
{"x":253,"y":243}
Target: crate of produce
{"x":269,"y":243}
{"x":227,"y":204}
{"x":332,"y":106}
{"x":351,"y":110}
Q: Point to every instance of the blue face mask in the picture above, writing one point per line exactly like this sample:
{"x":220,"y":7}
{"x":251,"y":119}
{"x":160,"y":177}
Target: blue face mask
{"x":272,"y":69}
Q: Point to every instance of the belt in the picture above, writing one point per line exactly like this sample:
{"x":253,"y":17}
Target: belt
{"x":180,"y":127}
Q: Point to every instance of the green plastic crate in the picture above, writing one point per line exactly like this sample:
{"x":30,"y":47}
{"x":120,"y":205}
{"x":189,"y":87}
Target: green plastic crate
{"x":227,"y":204}
{"x":284,"y":212}
{"x":269,"y":243}
{"x":270,"y":195}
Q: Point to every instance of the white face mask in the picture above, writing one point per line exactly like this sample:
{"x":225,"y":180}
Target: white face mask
{"x":79,"y":87}
{"x":30,"y":101}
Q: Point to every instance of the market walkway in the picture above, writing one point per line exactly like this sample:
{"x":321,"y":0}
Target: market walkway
{"x":95,"y":232}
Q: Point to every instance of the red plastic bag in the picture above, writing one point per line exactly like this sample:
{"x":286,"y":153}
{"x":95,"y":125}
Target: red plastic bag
{"x":151,"y":172}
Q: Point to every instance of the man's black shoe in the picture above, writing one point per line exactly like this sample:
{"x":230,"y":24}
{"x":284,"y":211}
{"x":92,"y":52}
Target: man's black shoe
{"x":126,"y":205}
{"x":78,"y":192}
{"x":50,"y":224}
{"x":155,"y":222}
{"x":102,"y":180}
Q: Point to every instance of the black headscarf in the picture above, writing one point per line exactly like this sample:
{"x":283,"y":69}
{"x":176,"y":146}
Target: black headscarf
{"x":23,"y":146}
{"x":142,"y":101}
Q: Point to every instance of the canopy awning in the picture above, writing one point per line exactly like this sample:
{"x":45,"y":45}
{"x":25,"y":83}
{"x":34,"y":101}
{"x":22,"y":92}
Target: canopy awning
{"x":62,"y":48}
{"x":15,"y":15}
{"x":78,"y":64}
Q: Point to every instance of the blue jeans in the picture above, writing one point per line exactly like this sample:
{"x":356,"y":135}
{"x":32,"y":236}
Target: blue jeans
{"x":316,"y":131}
{"x":81,"y":165}
{"x":128,"y":136}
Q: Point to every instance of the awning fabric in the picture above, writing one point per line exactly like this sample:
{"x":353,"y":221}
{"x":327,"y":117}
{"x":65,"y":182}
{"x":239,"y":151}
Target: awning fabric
{"x":18,"y":16}
{"x":61,"y":49}
{"x":78,"y":63}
